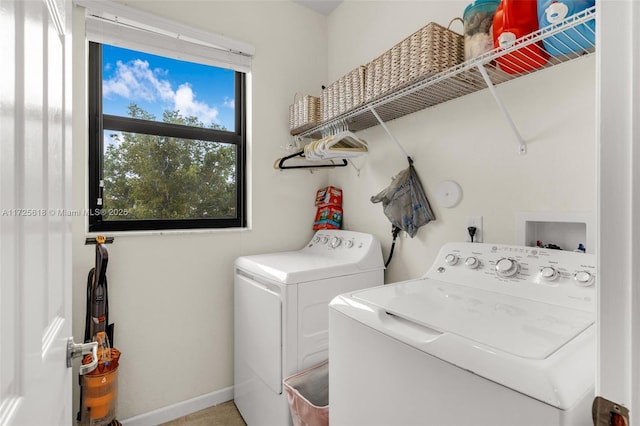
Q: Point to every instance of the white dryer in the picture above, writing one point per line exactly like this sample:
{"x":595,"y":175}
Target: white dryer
{"x":491,"y":335}
{"x":281,"y":314}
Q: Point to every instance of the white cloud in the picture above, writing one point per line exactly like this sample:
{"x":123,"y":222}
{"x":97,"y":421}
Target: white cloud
{"x":229,"y":103}
{"x":185,"y":102}
{"x":136,"y":81}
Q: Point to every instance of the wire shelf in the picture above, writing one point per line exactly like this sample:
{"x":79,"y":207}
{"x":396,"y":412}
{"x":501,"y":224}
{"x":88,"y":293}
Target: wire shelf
{"x":569,"y":35}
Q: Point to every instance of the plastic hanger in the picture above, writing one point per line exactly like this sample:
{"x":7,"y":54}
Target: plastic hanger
{"x":280,"y":163}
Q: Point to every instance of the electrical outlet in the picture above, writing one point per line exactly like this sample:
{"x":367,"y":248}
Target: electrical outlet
{"x":477,"y":222}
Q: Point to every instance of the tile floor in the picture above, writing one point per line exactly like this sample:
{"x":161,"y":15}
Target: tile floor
{"x":225,"y":414}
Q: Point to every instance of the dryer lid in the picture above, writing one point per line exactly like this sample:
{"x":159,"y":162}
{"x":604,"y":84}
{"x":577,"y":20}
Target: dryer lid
{"x":300,"y":266}
{"x":520,"y":327}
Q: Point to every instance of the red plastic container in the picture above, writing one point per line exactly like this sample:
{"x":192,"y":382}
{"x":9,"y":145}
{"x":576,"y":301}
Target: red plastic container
{"x":514,"y":19}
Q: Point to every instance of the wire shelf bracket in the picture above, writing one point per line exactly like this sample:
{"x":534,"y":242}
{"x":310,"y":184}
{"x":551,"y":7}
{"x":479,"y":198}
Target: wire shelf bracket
{"x":505,"y":112}
{"x":386,"y":129}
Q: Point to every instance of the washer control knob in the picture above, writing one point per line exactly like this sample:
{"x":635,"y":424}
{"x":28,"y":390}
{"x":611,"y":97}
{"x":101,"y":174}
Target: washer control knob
{"x":548,"y":273}
{"x":472,"y":262}
{"x":507,"y":267}
{"x":335,"y":242}
{"x":324,"y":239}
{"x":316,"y":239}
{"x":451,"y":259}
{"x":583,"y":278}
{"x":349,"y":243}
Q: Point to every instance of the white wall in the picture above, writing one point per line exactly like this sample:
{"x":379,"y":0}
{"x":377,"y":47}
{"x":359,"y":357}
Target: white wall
{"x":171,"y":295}
{"x":467,"y":140}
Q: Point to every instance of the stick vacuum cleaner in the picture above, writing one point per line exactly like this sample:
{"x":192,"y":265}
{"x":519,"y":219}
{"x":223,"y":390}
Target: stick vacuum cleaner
{"x":98,"y":388}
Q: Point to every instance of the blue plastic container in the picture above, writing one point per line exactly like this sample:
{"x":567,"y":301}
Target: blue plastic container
{"x":478,"y":19}
{"x":578,"y":38}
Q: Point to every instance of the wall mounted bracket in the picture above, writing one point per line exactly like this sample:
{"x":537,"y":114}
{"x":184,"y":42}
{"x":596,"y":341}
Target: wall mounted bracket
{"x":507,"y":116}
{"x":386,"y":129}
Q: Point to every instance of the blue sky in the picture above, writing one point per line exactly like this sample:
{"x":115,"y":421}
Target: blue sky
{"x":157,"y":84}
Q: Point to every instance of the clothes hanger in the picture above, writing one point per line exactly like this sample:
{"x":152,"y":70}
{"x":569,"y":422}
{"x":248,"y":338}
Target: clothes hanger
{"x":338,"y":143}
{"x":280,"y":163}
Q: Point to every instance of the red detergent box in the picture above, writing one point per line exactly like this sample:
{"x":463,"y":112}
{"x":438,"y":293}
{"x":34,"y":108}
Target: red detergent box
{"x":329,"y":196}
{"x":328,"y":217}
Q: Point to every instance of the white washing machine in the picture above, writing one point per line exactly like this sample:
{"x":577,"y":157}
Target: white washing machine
{"x":491,"y":335}
{"x":281,"y":314}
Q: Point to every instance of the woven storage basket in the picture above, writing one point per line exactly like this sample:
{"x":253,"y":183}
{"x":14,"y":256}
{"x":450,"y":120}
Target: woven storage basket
{"x":428,"y":51}
{"x":343,"y":95}
{"x":304,"y":113}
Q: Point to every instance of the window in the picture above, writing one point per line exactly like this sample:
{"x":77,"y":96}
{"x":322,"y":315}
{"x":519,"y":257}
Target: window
{"x":167,"y":142}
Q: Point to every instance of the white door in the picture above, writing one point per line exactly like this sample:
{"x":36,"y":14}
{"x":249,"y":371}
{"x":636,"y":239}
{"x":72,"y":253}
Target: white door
{"x":35,"y":235}
{"x":618,"y":71}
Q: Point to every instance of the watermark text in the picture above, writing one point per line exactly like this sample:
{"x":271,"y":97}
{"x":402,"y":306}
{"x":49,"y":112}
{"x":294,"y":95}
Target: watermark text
{"x":62,"y":212}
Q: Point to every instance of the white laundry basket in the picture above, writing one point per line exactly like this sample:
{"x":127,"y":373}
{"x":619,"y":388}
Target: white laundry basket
{"x":308,"y":396}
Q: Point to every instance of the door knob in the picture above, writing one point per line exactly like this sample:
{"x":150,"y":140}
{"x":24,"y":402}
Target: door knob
{"x":75,"y":350}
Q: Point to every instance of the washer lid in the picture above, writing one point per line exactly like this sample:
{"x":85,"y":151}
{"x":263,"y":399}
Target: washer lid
{"x":520,"y":327}
{"x":299,"y":266}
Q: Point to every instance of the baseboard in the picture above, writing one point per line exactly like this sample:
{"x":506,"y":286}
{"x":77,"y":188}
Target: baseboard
{"x":172,"y":412}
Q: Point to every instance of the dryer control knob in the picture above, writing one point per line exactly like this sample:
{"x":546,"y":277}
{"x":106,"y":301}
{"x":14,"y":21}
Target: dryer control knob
{"x":335,"y":242}
{"x":548,"y":273}
{"x":324,"y":239}
{"x":507,"y":267}
{"x":583,"y":278}
{"x":451,"y":259}
{"x":349,"y":243}
{"x":472,"y":262}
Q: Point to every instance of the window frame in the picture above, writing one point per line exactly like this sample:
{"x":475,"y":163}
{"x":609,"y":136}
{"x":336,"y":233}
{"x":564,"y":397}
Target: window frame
{"x":97,"y":121}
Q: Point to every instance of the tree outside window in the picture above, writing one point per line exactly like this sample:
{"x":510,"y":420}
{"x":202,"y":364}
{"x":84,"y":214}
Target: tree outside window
{"x":169,"y":153}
